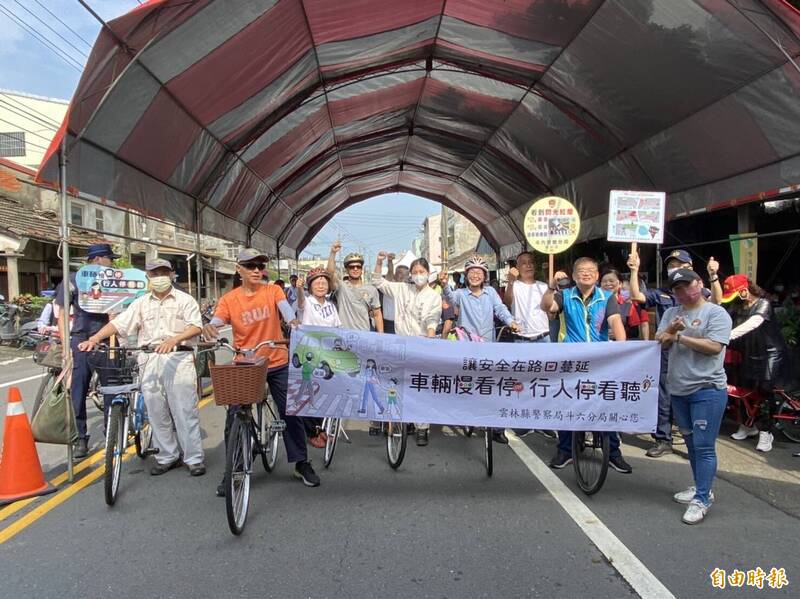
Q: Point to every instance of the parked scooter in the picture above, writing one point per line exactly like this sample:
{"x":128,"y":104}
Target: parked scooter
{"x":11,"y":331}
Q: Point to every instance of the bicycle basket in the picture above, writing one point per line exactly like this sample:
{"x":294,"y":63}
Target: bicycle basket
{"x":239,"y":384}
{"x":115,"y":367}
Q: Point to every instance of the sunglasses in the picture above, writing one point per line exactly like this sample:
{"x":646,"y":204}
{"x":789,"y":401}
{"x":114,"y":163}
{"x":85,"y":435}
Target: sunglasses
{"x":352,"y":266}
{"x":253,"y":266}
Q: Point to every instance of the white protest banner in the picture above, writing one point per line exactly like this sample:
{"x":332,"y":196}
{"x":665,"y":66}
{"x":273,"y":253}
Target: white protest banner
{"x":564,"y":386}
{"x":636,"y":216}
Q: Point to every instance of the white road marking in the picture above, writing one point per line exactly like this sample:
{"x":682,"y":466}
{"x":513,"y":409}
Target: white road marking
{"x":621,"y":558}
{"x":25,"y":380}
{"x":13,"y":360}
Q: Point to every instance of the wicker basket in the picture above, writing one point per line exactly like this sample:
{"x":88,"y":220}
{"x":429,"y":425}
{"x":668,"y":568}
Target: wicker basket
{"x":239,"y":384}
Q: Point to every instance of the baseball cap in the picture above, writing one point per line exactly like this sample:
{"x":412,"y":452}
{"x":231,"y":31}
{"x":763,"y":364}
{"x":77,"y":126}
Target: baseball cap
{"x":732,"y":286}
{"x":683,"y":275}
{"x":250,"y":254}
{"x":680,"y":256}
{"x":158,"y":263}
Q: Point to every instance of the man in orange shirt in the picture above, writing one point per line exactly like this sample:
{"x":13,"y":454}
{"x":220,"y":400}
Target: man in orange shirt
{"x":254,"y":310}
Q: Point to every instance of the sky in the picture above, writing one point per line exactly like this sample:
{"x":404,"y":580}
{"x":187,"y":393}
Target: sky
{"x":29,"y":63}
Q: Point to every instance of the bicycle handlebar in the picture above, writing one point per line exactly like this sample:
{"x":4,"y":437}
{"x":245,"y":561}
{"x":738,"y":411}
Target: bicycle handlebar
{"x":223,"y":342}
{"x":105,"y":348}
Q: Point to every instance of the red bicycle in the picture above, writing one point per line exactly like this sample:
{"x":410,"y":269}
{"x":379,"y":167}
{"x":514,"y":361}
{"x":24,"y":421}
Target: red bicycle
{"x":746,"y":404}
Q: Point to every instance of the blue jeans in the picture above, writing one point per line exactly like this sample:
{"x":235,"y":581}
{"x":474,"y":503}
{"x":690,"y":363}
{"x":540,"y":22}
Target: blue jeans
{"x":369,"y":389}
{"x":664,"y":423}
{"x":699,"y":417}
{"x":565,"y":444}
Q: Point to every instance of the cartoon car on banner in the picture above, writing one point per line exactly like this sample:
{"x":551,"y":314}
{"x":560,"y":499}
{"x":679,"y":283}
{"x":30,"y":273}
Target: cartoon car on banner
{"x":329,"y":353}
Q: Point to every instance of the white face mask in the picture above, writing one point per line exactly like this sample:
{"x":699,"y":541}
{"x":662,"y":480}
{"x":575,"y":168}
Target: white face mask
{"x":161,"y":284}
{"x":671,"y":270}
{"x":420,"y":279}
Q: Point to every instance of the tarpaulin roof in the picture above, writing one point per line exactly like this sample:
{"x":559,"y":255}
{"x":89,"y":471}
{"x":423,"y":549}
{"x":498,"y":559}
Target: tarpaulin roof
{"x":267,"y":117}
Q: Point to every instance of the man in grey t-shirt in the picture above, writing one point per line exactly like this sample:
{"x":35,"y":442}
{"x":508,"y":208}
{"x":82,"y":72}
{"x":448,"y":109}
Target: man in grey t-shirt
{"x":357,"y":301}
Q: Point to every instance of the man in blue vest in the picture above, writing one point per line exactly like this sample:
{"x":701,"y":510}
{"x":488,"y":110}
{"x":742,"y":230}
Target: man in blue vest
{"x":84,"y":325}
{"x":587,"y":312}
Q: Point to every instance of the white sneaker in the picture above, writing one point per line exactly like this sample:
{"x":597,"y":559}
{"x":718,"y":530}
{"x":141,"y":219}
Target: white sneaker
{"x":744,"y":432}
{"x":764,"y":441}
{"x":695,"y":512}
{"x":687,"y":496}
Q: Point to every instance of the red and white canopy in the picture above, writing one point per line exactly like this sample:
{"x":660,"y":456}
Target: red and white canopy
{"x":267,"y":117}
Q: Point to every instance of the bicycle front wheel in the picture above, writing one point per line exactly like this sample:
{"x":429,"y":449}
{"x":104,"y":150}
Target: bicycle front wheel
{"x":488,"y":452}
{"x":789,"y":422}
{"x":115,"y":450}
{"x":237,"y":475}
{"x":396,"y":441}
{"x":331,"y":428}
{"x":590,"y":453}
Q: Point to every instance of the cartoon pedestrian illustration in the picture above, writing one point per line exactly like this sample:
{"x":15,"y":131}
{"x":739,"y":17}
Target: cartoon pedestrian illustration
{"x":307,"y":385}
{"x":391,"y":399}
{"x":370,"y":380}
{"x":95,"y":292}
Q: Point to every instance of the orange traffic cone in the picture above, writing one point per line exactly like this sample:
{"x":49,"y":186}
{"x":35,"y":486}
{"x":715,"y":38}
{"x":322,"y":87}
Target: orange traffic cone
{"x":21,"y":473}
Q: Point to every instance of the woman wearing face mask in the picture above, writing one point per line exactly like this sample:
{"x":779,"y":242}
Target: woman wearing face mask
{"x":696,"y":333}
{"x":417,"y":309}
{"x":765,"y":356}
{"x":634,"y":316}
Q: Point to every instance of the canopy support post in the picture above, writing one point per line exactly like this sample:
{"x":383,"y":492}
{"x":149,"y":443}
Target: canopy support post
{"x":198,"y":225}
{"x":66,"y":346}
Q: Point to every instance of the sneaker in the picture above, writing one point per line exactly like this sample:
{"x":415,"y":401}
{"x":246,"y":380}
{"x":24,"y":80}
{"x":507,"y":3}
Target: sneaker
{"x":695,"y":512}
{"x":764,"y":441}
{"x":80,"y":449}
{"x":410,"y":429}
{"x":499,"y":436}
{"x":422,"y":437}
{"x":303,"y":471}
{"x":548,"y":434}
{"x":796,"y":454}
{"x":522,"y":432}
{"x":619,"y":464}
{"x":221,"y":489}
{"x":743,"y":432}
{"x":560,"y":460}
{"x":687,"y":496}
{"x":658,"y":449}
{"x":197,"y":469}
{"x":160,"y":469}
{"x":375,"y":428}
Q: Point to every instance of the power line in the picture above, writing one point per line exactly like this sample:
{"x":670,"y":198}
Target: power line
{"x":47,"y":44}
{"x":25,"y":115}
{"x":47,"y":139}
{"x":38,"y":18}
{"x":31,"y":109}
{"x":75,"y":33}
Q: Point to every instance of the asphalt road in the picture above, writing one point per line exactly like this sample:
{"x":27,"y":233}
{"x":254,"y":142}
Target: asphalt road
{"x":438,"y":527}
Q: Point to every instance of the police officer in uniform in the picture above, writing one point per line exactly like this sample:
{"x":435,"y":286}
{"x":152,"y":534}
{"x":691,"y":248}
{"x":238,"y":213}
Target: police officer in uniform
{"x":661,"y":300}
{"x":84,"y":325}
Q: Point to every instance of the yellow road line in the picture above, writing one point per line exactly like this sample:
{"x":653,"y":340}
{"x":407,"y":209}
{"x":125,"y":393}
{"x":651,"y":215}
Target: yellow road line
{"x":12,"y":509}
{"x":37,"y":513}
{"x":55,"y":501}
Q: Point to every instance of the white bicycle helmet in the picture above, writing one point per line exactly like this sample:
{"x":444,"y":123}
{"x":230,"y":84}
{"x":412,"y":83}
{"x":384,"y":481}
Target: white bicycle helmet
{"x":476,"y":262}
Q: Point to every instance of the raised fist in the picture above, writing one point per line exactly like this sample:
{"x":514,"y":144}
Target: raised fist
{"x":336,"y":247}
{"x":713,"y":267}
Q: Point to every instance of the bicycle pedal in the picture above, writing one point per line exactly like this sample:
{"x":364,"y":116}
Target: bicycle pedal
{"x":151,"y":451}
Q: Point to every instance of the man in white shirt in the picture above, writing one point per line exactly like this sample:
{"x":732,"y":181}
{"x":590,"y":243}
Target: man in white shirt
{"x":524,"y":298}
{"x":165,"y":318}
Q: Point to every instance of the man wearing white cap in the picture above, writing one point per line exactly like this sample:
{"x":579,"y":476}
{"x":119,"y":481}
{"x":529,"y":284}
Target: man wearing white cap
{"x":165,"y":318}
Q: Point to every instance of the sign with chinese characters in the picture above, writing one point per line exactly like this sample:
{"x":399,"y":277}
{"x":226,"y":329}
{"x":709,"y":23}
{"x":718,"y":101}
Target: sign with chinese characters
{"x":565,"y":386}
{"x":636,"y":216}
{"x":107,"y":290}
{"x":552,"y":225}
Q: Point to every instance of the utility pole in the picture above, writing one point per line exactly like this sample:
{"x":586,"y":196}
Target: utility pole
{"x":445,"y":249}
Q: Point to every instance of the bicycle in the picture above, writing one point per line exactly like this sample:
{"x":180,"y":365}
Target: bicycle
{"x":239,"y":386}
{"x":590,"y":455}
{"x":122,"y":382}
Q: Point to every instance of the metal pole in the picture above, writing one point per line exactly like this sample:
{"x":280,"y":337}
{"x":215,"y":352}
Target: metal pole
{"x":199,"y":263}
{"x":66,"y":346}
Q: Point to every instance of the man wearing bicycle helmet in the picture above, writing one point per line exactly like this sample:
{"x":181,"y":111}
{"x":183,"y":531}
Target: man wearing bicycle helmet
{"x":254,"y":310}
{"x":477,"y":306}
{"x":356,"y":300}
{"x":166,"y":317}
